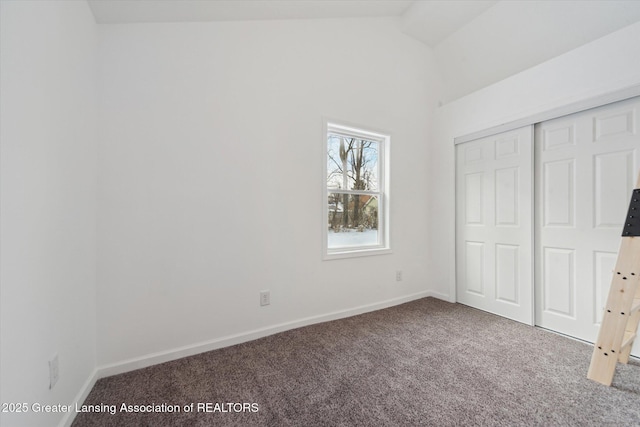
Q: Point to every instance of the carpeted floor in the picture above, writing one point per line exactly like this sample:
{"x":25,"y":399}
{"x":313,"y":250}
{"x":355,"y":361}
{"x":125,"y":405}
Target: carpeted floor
{"x":427,"y":362}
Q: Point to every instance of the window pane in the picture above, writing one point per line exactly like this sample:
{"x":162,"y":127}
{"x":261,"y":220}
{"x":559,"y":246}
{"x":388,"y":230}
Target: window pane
{"x":352,"y":221}
{"x":352,"y":163}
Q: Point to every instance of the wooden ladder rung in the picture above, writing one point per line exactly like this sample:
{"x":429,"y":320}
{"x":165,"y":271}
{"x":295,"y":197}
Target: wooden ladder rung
{"x":635,"y":306}
{"x":627,"y":339}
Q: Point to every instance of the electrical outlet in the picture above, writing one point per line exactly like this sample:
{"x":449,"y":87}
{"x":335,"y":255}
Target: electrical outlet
{"x":54,"y":372}
{"x":265,"y":298}
{"x":398,"y":275}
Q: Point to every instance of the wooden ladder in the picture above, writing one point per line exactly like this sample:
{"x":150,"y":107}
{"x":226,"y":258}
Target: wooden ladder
{"x":622,"y":312}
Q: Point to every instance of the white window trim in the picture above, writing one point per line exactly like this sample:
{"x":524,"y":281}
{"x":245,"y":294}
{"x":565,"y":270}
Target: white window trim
{"x":384,"y":139}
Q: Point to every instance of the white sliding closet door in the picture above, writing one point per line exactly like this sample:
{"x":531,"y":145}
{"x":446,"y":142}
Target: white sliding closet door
{"x":586,"y":167}
{"x":494,"y":236}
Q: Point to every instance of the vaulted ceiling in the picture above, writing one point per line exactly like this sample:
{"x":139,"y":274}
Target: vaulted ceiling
{"x":121,"y":11}
{"x":475,"y":42}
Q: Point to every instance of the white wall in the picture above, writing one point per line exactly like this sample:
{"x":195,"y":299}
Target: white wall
{"x":607,"y":65}
{"x":48,"y":190}
{"x":210,"y":161}
{"x":513,"y":36}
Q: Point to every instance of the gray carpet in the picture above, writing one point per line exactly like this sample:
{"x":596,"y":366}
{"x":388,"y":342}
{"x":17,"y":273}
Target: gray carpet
{"x":426,"y":362}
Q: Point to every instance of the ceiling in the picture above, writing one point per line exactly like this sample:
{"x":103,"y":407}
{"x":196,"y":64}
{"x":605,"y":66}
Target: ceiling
{"x":119,"y":11}
{"x":427,"y":20}
{"x":434,"y":20}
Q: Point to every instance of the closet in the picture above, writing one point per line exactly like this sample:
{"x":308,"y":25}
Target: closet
{"x":539,"y":214}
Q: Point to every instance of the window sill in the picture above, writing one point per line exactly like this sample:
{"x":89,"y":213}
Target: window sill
{"x":355,"y":253}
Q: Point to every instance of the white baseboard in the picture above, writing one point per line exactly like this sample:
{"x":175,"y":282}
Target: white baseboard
{"x":180,"y":352}
{"x":80,"y":398}
{"x":441,"y":296}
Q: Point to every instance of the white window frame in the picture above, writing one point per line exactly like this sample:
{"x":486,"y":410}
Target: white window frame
{"x":384,"y":140}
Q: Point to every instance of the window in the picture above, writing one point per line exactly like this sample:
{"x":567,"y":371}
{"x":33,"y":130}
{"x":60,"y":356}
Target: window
{"x":356,"y":195}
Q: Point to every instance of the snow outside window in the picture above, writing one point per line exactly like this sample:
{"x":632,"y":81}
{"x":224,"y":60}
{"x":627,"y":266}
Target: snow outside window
{"x":356,"y":191}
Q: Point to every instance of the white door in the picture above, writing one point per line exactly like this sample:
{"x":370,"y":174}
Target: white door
{"x":494,"y":235}
{"x":586,"y":168}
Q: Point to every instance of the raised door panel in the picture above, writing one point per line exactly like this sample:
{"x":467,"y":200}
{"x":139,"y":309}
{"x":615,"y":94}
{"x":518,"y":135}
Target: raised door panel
{"x":558,"y":137}
{"x":506,"y":190}
{"x":507,"y":273}
{"x":474,"y":202}
{"x":474,"y":267}
{"x":614,"y":124}
{"x":507,"y":147}
{"x":473,"y":154}
{"x":558,"y":284}
{"x":613,"y":177}
{"x":559,"y":193}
